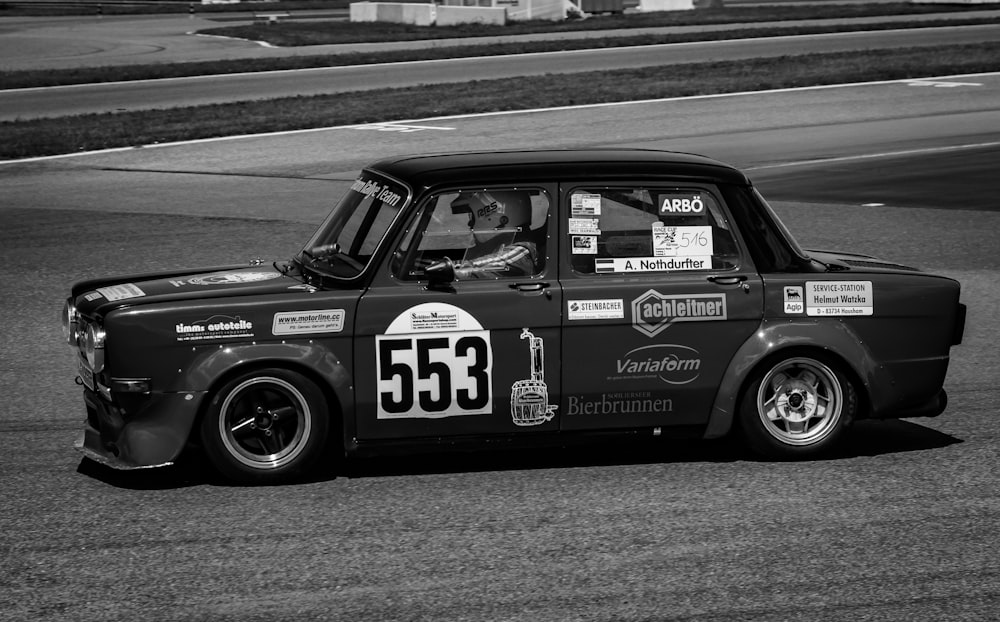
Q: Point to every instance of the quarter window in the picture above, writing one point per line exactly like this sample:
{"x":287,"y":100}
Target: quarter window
{"x":616,"y":230}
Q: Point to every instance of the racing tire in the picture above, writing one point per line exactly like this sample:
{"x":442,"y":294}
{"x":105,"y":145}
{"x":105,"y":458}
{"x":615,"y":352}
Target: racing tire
{"x":797,"y":407}
{"x":265,"y":426}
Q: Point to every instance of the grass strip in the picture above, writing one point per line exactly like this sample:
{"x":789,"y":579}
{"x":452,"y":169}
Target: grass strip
{"x":19,"y":139}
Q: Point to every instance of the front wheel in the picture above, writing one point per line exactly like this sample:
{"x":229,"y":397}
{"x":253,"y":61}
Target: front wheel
{"x":265,"y":426}
{"x":797,"y":407}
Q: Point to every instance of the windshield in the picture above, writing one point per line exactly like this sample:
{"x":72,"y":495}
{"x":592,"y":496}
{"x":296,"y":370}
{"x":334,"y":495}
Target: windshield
{"x":344,"y":244}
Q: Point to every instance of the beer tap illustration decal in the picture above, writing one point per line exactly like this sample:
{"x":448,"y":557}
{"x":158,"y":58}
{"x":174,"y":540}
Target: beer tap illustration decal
{"x":529,"y":399}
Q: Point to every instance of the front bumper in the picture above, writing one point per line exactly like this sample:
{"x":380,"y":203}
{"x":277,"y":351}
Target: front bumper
{"x":152,"y":436}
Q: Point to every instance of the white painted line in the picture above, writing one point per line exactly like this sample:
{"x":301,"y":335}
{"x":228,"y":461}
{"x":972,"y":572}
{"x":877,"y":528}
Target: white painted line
{"x":940,"y":83}
{"x":392,"y":126}
{"x":872,"y":156}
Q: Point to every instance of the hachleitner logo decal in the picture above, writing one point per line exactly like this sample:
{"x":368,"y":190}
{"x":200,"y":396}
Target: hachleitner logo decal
{"x":653,"y":312}
{"x":671,"y":363}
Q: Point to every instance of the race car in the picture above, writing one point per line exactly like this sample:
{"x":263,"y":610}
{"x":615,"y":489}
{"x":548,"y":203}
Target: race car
{"x":512,"y":298}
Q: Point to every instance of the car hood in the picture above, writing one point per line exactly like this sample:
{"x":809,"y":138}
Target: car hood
{"x":96,"y":298}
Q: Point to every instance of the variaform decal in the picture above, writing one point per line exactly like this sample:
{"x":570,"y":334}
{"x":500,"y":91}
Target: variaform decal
{"x":671,"y":363}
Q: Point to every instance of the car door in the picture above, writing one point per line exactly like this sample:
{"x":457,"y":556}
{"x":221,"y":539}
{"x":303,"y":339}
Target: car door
{"x":465,"y":357}
{"x":659,"y":294}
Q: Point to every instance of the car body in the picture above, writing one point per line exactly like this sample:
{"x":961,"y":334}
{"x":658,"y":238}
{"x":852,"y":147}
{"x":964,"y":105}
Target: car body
{"x":657,"y":294}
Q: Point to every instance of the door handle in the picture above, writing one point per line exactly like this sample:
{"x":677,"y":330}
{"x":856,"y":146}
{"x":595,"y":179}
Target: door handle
{"x":533,"y":287}
{"x":738,"y":279}
{"x":728,"y":280}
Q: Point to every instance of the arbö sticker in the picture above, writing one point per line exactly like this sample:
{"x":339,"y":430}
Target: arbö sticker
{"x":682,"y":205}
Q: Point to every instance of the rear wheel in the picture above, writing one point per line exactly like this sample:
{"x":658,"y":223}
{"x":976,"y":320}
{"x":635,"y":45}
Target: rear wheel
{"x":797,"y":407}
{"x":265,"y":426}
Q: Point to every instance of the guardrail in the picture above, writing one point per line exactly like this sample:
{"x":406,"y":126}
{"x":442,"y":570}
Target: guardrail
{"x":98,"y":7}
{"x":140,"y":7}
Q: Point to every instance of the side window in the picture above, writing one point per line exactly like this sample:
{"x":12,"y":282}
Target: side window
{"x":615,"y":230}
{"x":485,"y":233}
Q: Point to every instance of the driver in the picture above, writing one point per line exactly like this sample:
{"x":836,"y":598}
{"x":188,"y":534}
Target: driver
{"x":500,"y":222}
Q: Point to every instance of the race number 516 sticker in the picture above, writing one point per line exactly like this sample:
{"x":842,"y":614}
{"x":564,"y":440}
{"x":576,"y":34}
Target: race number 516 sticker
{"x":434,"y":375}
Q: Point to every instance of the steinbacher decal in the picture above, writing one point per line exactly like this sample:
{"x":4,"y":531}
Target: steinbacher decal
{"x":604,"y":309}
{"x":653,"y":312}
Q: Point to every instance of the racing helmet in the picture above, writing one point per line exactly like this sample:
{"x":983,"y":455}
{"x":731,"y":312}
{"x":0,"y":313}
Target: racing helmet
{"x":500,"y":209}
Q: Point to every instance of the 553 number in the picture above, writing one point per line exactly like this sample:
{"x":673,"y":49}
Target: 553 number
{"x":437,"y":375}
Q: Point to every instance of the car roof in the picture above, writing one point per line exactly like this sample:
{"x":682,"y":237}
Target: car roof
{"x":427,"y":170}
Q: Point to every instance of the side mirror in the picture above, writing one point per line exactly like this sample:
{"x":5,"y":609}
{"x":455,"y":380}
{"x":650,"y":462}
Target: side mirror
{"x":440,"y":274}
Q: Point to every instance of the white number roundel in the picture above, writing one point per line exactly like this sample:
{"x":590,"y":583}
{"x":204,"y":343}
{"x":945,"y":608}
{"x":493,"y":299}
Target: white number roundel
{"x":434,"y":360}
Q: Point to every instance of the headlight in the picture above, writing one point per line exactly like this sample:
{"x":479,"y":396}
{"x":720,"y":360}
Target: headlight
{"x":69,"y":322}
{"x":93,"y":349}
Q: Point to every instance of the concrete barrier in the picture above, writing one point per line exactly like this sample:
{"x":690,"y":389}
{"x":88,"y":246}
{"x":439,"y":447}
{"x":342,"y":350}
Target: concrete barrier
{"x":463,"y":11}
{"x":453,"y":15}
{"x":518,"y":10}
{"x":666,"y":5}
{"x":394,"y":12}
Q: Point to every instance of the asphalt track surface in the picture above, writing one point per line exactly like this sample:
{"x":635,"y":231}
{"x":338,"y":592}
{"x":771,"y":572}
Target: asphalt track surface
{"x":206,"y":90}
{"x":902,"y":524}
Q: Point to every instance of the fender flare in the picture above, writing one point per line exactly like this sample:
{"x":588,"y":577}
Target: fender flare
{"x":212,"y":368}
{"x":774,"y":336}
